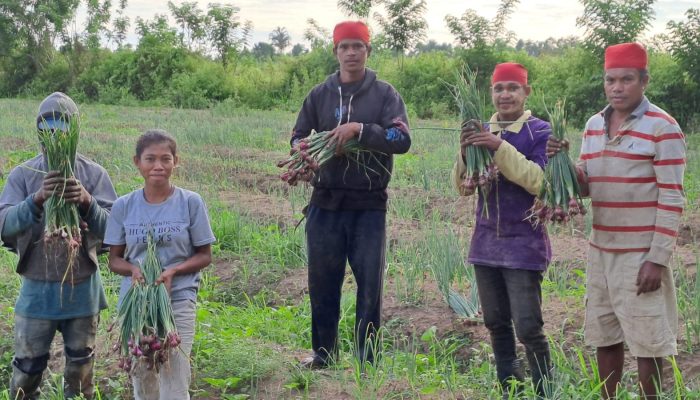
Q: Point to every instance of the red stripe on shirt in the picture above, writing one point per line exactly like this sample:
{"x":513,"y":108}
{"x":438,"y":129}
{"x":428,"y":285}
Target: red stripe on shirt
{"x":607,"y":228}
{"x":624,"y":204}
{"x":590,"y":156}
{"x":662,"y":116}
{"x":666,"y":231}
{"x":669,"y":136}
{"x":628,"y":156}
{"x":620,"y":179}
{"x":652,"y":138}
{"x":636,"y":204}
{"x":594,"y":132}
{"x":670,"y":208}
{"x":670,"y":161}
{"x":627,"y":250}
{"x":636,"y":134}
{"x":671,"y":186}
{"x":618,"y":154}
{"x":635,"y":229}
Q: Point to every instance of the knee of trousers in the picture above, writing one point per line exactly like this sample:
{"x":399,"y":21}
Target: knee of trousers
{"x":532,"y":337}
{"x":80,"y":357}
{"x":498,"y":326}
{"x":31,"y":366}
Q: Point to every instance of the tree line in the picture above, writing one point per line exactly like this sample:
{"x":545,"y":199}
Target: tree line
{"x":198,"y":56}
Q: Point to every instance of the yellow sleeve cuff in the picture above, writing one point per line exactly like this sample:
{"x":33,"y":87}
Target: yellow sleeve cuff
{"x":516,"y":168}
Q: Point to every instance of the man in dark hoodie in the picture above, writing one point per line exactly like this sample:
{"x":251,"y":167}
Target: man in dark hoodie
{"x":46,"y":304}
{"x":346,"y":218}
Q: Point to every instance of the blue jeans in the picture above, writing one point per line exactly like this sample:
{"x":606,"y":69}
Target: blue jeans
{"x":514,"y":297}
{"x":33,"y":339}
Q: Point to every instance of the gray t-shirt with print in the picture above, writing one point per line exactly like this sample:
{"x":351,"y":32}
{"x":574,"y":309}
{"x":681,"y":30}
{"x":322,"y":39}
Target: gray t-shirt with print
{"x":180,"y":224}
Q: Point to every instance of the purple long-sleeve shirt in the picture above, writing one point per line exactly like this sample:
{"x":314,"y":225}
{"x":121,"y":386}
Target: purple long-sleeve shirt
{"x":506,"y":239}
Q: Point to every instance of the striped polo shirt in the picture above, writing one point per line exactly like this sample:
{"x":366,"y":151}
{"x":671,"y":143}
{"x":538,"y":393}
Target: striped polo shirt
{"x":636,"y":182}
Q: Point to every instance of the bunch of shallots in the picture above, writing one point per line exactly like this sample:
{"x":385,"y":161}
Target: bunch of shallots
{"x":560,"y":196}
{"x":147,"y":331}
{"x":481,"y":170}
{"x":311,"y":152}
{"x":62,"y":219}
{"x":149,"y":348}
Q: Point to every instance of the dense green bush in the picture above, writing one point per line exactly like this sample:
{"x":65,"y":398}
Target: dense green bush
{"x":422,"y":83}
{"x":573,"y":76}
{"x":673,"y":89}
{"x":56,"y":76}
{"x":159,"y":72}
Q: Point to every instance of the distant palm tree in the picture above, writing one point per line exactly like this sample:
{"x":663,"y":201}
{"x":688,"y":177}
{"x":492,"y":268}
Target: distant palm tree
{"x":280,"y":38}
{"x":358,"y":8}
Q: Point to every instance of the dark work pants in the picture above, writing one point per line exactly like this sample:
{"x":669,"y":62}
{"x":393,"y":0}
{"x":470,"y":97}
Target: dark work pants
{"x":33,"y":339}
{"x":514,"y":296}
{"x":333,"y":239}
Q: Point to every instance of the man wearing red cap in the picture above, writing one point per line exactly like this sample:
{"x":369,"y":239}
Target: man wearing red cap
{"x":632,"y":163}
{"x":346,"y":216}
{"x":508,"y":253}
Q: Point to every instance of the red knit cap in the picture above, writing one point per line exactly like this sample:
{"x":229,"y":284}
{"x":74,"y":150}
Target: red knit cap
{"x":626,"y":55}
{"x":509,"y":72}
{"x":350,"y":30}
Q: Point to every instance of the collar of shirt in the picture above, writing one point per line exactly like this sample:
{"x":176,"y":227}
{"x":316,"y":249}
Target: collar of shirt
{"x":637,"y":114}
{"x":515,"y":127}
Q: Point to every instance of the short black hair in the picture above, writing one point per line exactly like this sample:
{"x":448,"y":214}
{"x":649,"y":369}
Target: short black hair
{"x":155,"y":136}
{"x":643,"y":73}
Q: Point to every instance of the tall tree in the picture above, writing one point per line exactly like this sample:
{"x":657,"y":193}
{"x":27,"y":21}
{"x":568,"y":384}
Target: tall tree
{"x":505,"y":10}
{"x":470,"y":30}
{"x":120,"y":25}
{"x":359,"y":8}
{"x":404,"y":24}
{"x":191,"y":20}
{"x":156,"y":31}
{"x":246,"y":33}
{"x":473,"y":30}
{"x":316,"y":35}
{"x":280,"y":39}
{"x":684,"y":43}
{"x":607,"y":22}
{"x":29,"y":33}
{"x":222,"y":30}
{"x":98,"y":16}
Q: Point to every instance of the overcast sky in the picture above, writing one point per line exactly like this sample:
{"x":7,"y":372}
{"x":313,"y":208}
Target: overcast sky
{"x":533,"y":19}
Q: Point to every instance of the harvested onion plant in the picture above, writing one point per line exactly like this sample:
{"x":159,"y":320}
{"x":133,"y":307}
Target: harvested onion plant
{"x":62,"y":221}
{"x":560,"y":196}
{"x":311,"y":152}
{"x":147,"y":330}
{"x":481,"y":170}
